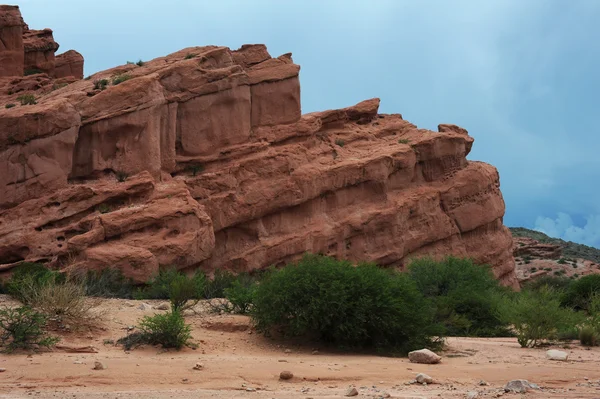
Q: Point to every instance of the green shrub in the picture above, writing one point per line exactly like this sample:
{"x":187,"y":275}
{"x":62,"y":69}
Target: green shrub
{"x":403,"y":141}
{"x":140,"y":63}
{"x":537,"y":316}
{"x":196,"y":168}
{"x":590,"y":331}
{"x":11,"y":105}
{"x":118,"y":79}
{"x":121,"y":176}
{"x":339,"y":142}
{"x":100,"y":84}
{"x":104,"y":208}
{"x":168,"y":329}
{"x":28,"y":277}
{"x":556,"y":283}
{"x":466,"y":296}
{"x":562,"y":261}
{"x":241,"y":295}
{"x":580,"y":292}
{"x":589,"y":336}
{"x":27,"y":99}
{"x":32,"y":71}
{"x":176,"y":287}
{"x":23,"y":328}
{"x":108,"y":283}
{"x":339,"y":304}
{"x":189,"y":56}
{"x":215,"y":287}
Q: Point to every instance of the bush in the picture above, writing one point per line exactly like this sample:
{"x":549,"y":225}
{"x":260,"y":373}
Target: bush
{"x":536,"y":316}
{"x":108,"y":283}
{"x":64,"y":301}
{"x":580,"y":292}
{"x":32,"y":71}
{"x":27,"y":99}
{"x":562,"y":261}
{"x":241,"y":295}
{"x":215,"y":288}
{"x":189,"y":56}
{"x":121,"y":176}
{"x":339,"y":304}
{"x":168,"y":330}
{"x":23,"y":328}
{"x":11,"y":105}
{"x":339,"y":142}
{"x":403,"y":141}
{"x":28,"y":277}
{"x":100,"y":84}
{"x":590,"y":331}
{"x":176,"y":287}
{"x":466,"y":296}
{"x":588,"y":336}
{"x":118,"y":79}
{"x":140,"y":63}
{"x":556,"y":283}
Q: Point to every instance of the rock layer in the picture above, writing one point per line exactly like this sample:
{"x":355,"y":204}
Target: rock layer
{"x":202,"y":159}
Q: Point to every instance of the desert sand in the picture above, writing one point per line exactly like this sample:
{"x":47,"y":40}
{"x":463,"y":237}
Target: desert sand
{"x":237,"y":362}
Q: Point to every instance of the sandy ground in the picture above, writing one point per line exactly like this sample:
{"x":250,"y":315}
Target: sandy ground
{"x":239,"y":363}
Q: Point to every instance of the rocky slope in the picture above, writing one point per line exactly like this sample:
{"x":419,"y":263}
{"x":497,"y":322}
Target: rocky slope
{"x":538,"y":255}
{"x":202,"y":159}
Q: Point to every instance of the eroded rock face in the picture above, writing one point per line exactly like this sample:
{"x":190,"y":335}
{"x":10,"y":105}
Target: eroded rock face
{"x":29,"y":52}
{"x":202,"y":159}
{"x":11,"y":41}
{"x":69,"y":63}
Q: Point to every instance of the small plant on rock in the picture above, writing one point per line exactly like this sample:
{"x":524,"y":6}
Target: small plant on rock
{"x":403,"y":141}
{"x":121,"y":176}
{"x":27,"y":99}
{"x":11,"y":105}
{"x":339,"y":142}
{"x":100,"y":84}
{"x":118,"y":79}
{"x":189,"y":56}
{"x":196,"y":168}
{"x":23,"y":328}
{"x":140,"y":63}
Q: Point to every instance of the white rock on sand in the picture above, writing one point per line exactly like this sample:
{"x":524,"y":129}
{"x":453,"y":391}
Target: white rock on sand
{"x":554,"y":354}
{"x":424,"y":356}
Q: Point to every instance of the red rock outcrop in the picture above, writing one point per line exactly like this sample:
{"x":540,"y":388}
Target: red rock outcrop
{"x":28,"y":52}
{"x":69,"y":63}
{"x":11,"y":41}
{"x":202,"y":159}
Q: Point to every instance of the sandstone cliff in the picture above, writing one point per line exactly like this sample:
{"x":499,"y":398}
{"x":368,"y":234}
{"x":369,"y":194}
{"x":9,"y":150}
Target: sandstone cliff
{"x":202,"y":159}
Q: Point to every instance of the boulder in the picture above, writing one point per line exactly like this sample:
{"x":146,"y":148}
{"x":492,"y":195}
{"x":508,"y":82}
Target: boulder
{"x":554,"y":354}
{"x":424,"y":356}
{"x":422,"y":378}
{"x":519,"y":386}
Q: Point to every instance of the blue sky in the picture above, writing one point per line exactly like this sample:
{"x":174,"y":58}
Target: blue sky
{"x":520,"y":75}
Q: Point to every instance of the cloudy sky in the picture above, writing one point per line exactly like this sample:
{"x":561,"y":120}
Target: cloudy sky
{"x":521,"y":75}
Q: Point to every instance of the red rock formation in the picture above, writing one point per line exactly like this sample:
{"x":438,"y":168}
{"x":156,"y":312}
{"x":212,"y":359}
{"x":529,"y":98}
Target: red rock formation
{"x":11,"y":41}
{"x":202,"y":159}
{"x":524,"y":246}
{"x":69,"y":63}
{"x":39,"y":48}
{"x":27,"y":52}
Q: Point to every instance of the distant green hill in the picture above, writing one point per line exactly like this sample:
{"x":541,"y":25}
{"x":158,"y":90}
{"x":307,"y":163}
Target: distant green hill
{"x":570,"y":249}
